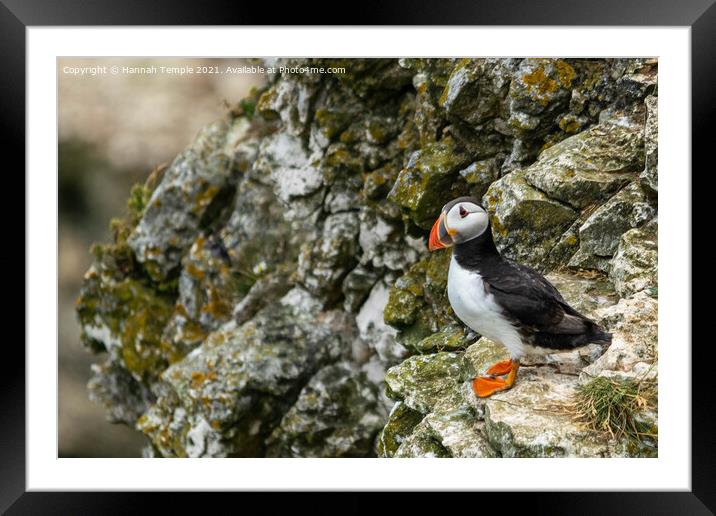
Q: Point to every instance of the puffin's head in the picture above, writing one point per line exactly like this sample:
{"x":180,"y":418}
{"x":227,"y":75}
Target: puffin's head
{"x":460,"y":220}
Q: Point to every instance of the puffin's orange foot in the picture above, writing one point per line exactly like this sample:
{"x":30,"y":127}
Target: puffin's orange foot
{"x":500,"y":368}
{"x":485,"y":386}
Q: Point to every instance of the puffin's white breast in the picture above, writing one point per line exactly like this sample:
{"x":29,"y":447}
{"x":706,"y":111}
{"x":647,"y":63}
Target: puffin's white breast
{"x":479,"y":310}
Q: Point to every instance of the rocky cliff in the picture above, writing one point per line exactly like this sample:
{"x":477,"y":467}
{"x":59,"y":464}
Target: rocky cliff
{"x":269,"y":292}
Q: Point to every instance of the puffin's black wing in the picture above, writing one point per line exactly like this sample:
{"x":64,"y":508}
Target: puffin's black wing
{"x":532,"y":301}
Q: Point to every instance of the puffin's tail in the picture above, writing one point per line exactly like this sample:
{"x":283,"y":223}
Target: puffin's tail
{"x":598,"y":336}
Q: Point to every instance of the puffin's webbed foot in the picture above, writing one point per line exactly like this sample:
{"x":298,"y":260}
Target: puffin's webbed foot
{"x":500,"y":368}
{"x":484,"y":386}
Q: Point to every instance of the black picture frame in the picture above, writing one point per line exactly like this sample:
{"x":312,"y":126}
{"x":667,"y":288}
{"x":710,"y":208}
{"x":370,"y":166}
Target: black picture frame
{"x":700,"y":15}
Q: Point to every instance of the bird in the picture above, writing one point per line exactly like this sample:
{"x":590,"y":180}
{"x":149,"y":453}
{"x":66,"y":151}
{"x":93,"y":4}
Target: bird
{"x":509,"y":303}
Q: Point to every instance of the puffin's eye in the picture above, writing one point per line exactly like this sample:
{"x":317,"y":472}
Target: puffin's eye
{"x":463,"y":212}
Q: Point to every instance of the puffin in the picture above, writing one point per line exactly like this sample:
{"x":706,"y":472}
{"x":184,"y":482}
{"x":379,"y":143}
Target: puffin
{"x":509,"y":303}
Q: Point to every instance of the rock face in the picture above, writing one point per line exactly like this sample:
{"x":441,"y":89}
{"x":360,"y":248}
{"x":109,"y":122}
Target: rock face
{"x":270,"y":293}
{"x":634,"y":267}
{"x":436,"y":406}
{"x":174,"y":214}
{"x":526,"y":222}
{"x":590,"y":166}
{"x":336,"y":415}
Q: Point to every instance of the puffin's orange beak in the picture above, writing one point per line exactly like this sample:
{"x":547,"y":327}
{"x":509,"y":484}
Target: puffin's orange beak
{"x":439,"y":235}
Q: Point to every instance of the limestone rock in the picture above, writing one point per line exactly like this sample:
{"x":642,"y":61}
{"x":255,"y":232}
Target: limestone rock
{"x":476,"y":89}
{"x":540,"y":85}
{"x":124,"y":398}
{"x":266,"y":290}
{"x":288,"y":101}
{"x":539,"y":92}
{"x":634,"y":325}
{"x":528,"y":420}
{"x":526,"y":223}
{"x":592,"y":165}
{"x":258,"y":237}
{"x":383,"y":244}
{"x":294,"y":174}
{"x":356,"y":287}
{"x":481,"y":174}
{"x":402,"y":420}
{"x":125,"y":318}
{"x":175,"y":212}
{"x":640,"y":78}
{"x":460,"y":433}
{"x":423,"y":381}
{"x":650,"y":176}
{"x":240,"y":380}
{"x":427,"y":181}
{"x":324,"y":263}
{"x":450,"y":338}
{"x":417,"y":303}
{"x":372,"y":328}
{"x":421,"y":443}
{"x":430,"y":385}
{"x":565,"y":247}
{"x":337,"y":414}
{"x":634,"y":266}
{"x":626,"y":210}
{"x":207,"y":292}
{"x":378,"y":78}
{"x":599,"y":235}
{"x":429,"y":80}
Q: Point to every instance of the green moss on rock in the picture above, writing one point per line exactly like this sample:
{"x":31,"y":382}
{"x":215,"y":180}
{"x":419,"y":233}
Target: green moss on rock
{"x":526,"y":223}
{"x":332,"y":121}
{"x":378,"y":182}
{"x":338,"y":414}
{"x":176,"y":211}
{"x":450,"y":338}
{"x":422,"y":443}
{"x":402,"y":308}
{"x":476,"y":90}
{"x":417,"y":304}
{"x":423,"y":381}
{"x":592,"y":165}
{"x":481,"y":174}
{"x":428,"y":181}
{"x":128,"y":318}
{"x":373,"y":79}
{"x":400,"y":425}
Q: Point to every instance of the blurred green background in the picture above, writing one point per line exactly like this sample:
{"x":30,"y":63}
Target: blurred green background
{"x":113,"y":130}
